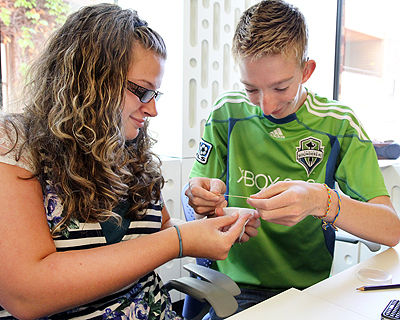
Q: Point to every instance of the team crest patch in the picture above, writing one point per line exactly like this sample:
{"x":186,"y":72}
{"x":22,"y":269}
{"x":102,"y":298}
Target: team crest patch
{"x":203,"y":152}
{"x":310,"y":153}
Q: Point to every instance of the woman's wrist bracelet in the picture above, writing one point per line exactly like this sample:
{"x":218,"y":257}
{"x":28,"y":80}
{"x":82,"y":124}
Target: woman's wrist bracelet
{"x":329,"y":202}
{"x":180,"y":241}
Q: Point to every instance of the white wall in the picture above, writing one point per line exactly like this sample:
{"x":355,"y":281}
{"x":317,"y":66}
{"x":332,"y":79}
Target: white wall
{"x":167,"y":18}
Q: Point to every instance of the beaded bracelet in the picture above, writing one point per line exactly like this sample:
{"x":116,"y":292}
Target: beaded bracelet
{"x":332,"y":224}
{"x":329,"y":202}
{"x":180,"y":241}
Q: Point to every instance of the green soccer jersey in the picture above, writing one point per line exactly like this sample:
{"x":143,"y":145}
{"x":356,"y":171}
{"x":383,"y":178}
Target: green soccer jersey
{"x":322,"y":142}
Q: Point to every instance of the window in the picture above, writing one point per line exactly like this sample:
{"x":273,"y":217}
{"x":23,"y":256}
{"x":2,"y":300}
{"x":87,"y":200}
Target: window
{"x":368,"y":68}
{"x":25,"y":25}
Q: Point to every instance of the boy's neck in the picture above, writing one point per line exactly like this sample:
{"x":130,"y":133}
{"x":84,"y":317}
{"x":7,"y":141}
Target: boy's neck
{"x":303,"y":98}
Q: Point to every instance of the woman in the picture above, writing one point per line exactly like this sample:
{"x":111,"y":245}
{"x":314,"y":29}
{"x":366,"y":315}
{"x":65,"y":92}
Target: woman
{"x":80,"y":156}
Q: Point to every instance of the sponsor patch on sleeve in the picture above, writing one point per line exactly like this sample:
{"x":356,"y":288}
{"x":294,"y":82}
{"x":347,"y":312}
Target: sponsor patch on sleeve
{"x":203,"y":152}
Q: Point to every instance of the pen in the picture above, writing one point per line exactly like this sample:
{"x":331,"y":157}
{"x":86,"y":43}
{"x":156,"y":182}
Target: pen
{"x":386,"y":286}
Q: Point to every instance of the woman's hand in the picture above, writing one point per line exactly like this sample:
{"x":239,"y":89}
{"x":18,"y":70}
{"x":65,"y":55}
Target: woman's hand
{"x":206,"y":238}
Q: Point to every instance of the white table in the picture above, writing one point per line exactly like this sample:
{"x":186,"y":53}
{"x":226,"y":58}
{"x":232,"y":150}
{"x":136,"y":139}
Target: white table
{"x":341,"y":288}
{"x":296,"y":304}
{"x":334,"y":298}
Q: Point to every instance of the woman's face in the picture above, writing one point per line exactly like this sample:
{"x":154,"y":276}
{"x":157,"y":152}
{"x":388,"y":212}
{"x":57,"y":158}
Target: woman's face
{"x":146,"y":70}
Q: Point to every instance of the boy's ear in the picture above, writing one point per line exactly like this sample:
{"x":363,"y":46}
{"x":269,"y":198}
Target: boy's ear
{"x":308,"y":70}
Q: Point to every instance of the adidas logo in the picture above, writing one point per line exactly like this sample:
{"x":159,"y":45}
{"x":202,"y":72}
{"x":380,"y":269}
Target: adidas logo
{"x":277,"y":133}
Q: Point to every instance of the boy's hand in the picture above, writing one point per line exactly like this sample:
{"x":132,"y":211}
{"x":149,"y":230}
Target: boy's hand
{"x":205,"y":195}
{"x":289,"y":202}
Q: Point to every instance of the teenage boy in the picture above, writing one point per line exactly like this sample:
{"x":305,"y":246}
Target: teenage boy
{"x":284,"y":147}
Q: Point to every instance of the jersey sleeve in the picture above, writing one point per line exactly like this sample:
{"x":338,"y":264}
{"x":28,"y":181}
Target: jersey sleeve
{"x":358,"y":173}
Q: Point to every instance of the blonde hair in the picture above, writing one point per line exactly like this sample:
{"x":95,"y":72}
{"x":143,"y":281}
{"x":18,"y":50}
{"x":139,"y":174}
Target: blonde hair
{"x":73,"y":116}
{"x":271,"y":27}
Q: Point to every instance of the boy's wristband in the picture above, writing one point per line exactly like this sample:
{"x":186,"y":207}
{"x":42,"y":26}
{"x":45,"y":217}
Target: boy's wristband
{"x":332,"y":224}
{"x":329,"y":202}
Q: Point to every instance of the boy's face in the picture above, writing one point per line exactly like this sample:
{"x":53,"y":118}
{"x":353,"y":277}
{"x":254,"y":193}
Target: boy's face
{"x":275,"y":83}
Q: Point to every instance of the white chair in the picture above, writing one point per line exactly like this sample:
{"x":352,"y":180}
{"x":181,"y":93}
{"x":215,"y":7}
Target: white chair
{"x":204,"y":288}
{"x":349,"y":238}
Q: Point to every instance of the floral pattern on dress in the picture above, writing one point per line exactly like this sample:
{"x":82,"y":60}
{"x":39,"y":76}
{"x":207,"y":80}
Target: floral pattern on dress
{"x":137,"y":304}
{"x":54,"y":211}
{"x":141,"y":305}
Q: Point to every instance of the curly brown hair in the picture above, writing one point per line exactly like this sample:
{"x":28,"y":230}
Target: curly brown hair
{"x":73,"y":119}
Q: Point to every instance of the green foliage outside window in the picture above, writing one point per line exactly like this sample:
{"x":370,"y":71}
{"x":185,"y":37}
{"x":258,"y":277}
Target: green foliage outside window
{"x":25,"y":24}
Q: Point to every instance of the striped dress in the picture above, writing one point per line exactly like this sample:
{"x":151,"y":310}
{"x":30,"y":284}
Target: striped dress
{"x":144,"y":299}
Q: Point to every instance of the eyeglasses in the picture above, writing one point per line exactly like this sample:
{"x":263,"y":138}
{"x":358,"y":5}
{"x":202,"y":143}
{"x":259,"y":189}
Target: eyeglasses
{"x":145,"y":95}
